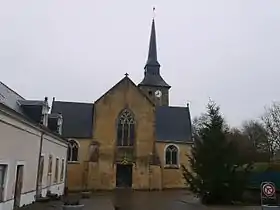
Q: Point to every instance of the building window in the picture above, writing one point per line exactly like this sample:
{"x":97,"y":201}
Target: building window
{"x":73,"y":149}
{"x":125,"y":129}
{"x":41,"y":169}
{"x":3,"y":171}
{"x":50,"y":165}
{"x":56,"y":170}
{"x":171,"y":155}
{"x":62,"y":170}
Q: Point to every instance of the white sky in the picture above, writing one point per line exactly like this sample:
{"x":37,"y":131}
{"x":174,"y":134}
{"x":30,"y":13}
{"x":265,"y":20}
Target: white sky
{"x":76,"y":50}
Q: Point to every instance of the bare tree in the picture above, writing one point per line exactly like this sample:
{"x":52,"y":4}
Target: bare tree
{"x":256,"y":133}
{"x":271,"y":121}
{"x":197,"y":124}
{"x":243,"y":145}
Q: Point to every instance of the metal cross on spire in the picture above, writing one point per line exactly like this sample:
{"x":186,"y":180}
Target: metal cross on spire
{"x":154,"y":12}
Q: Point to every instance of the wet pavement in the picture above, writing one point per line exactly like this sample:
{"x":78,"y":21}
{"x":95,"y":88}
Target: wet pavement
{"x":138,"y":200}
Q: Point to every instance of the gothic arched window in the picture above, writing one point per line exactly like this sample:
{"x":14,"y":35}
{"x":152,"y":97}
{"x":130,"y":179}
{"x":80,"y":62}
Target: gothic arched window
{"x":171,"y":155}
{"x":73,"y":149}
{"x":125,"y":129}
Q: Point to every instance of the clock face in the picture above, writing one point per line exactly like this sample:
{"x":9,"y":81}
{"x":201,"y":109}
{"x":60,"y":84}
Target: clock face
{"x":158,"y":94}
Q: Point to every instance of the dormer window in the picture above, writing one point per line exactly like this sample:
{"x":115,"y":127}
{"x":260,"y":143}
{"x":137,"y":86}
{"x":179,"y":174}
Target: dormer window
{"x":55,"y":122}
{"x":59,"y":124}
{"x":35,"y":110}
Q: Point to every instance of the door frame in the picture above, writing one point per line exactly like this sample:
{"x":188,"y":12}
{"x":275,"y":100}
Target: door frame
{"x":20,"y":164}
{"x":50,"y":172}
{"x":131,"y":177}
{"x":6,"y":178}
{"x":40,"y":176}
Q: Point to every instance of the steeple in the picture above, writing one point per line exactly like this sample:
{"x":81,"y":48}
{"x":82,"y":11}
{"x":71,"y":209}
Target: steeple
{"x":152,"y":68}
{"x":153,"y":85}
{"x":152,"y":56}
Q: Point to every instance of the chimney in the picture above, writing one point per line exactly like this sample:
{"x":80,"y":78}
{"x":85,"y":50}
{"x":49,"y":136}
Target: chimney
{"x":53,"y":100}
{"x":45,"y":111}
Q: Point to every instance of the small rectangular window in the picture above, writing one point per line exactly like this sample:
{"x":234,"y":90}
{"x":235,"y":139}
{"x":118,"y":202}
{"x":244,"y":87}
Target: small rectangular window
{"x":41,"y":169}
{"x":3,"y":171}
{"x":56,"y":170}
{"x":50,"y":165}
{"x":62,"y":170}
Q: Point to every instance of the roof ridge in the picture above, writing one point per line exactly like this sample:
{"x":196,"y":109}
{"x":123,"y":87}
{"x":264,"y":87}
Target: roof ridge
{"x":12,"y":90}
{"x":31,"y":100}
{"x":175,"y":107}
{"x":74,"y":102}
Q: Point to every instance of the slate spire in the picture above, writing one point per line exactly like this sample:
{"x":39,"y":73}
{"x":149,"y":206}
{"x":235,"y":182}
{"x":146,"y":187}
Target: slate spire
{"x":152,"y":68}
{"x":152,"y":56}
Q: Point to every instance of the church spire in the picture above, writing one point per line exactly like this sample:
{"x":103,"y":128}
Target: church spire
{"x":152,"y":75}
{"x":152,"y":56}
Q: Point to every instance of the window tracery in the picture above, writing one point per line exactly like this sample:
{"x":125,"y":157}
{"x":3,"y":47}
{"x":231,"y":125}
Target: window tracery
{"x":126,"y":129}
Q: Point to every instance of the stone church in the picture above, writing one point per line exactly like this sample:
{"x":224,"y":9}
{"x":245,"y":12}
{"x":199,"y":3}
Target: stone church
{"x":130,"y":137}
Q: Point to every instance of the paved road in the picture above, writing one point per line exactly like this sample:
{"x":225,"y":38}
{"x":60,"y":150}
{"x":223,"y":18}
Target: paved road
{"x":165,"y":200}
{"x":127,"y":200}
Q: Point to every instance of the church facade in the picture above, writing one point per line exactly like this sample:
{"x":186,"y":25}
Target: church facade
{"x":129,"y":137}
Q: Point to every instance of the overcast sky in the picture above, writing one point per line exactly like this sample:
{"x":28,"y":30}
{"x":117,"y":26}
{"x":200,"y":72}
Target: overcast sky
{"x":228,"y":50}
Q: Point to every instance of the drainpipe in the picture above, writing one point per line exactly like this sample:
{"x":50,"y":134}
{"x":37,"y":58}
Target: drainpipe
{"x":38,"y":166}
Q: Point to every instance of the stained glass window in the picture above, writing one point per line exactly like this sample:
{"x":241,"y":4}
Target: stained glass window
{"x":126,"y":129}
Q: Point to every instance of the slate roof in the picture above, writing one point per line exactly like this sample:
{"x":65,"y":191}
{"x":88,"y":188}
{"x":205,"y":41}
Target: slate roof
{"x":10,"y":98}
{"x":152,"y":55}
{"x":173,"y":124}
{"x":10,"y":101}
{"x":31,"y":102}
{"x":13,"y":100}
{"x":152,"y":75}
{"x":46,"y":129}
{"x":77,"y":118}
{"x":153,"y":80}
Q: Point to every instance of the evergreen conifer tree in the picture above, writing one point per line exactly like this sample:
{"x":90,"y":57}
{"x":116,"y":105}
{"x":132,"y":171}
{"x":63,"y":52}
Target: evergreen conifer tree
{"x":216,"y":173}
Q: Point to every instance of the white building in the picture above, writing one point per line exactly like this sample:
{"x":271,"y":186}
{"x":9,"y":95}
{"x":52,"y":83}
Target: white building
{"x":32,"y":153}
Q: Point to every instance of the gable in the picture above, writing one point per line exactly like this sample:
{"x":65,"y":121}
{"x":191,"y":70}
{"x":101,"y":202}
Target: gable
{"x":107,"y":109}
{"x":122,"y":82}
